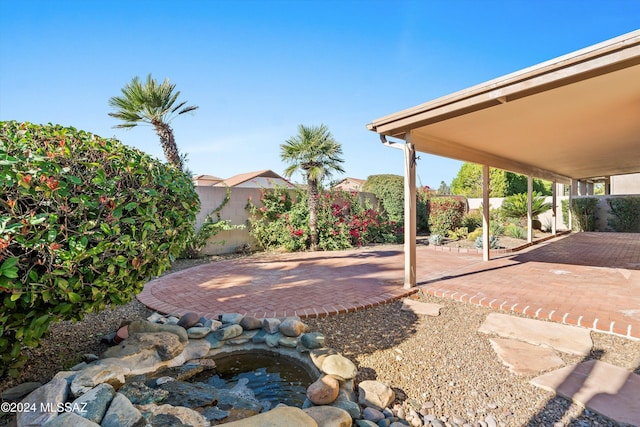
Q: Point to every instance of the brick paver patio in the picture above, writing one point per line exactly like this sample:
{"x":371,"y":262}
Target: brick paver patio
{"x":586,"y":279}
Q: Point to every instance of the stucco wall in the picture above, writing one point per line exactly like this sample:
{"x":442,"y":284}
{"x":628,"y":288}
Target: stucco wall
{"x":545,"y":218}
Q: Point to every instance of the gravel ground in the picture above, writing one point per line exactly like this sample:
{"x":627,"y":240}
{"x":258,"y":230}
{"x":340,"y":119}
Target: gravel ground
{"x":439,"y":362}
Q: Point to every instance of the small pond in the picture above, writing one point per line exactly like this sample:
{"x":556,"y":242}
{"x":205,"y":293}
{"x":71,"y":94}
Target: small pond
{"x":272,"y":377}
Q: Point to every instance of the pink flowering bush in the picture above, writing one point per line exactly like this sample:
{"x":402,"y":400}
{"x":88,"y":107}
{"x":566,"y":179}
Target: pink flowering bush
{"x":344,"y":221}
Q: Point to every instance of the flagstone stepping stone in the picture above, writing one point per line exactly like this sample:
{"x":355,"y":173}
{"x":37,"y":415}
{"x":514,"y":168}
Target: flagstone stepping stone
{"x":603,"y":388}
{"x":525,"y":359}
{"x":565,"y":338}
{"x":421,"y":308}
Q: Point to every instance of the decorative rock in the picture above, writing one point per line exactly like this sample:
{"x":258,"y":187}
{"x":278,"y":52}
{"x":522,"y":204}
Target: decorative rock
{"x":121,"y":413}
{"x":283,"y":416}
{"x":142,"y":326}
{"x":80,"y":366}
{"x":213,"y":342}
{"x":318,"y":356}
{"x":197,"y":332}
{"x":139,"y":394}
{"x":313,"y":340}
{"x":227,"y":332}
{"x":231,"y":318}
{"x":188,"y":320}
{"x":260,"y":337}
{"x":19,"y":391}
{"x":55,"y":390}
{"x":372,"y":414}
{"x":172,"y":415}
{"x":339,"y":366}
{"x":172,"y":320}
{"x":288,"y":342}
{"x":213,"y":324}
{"x":491,"y":421}
{"x":70,"y":419}
{"x":324,"y":390}
{"x":238,"y":341}
{"x":155,"y":317}
{"x":143,"y":353}
{"x":250,"y":323}
{"x":366,"y":423}
{"x":273,"y":340}
{"x":375,"y":394}
{"x":90,"y":357}
{"x":93,"y":404}
{"x":271,"y":325}
{"x":213,"y":413}
{"x":525,"y":359}
{"x":189,"y":395}
{"x":93,"y":375}
{"x":291,"y":327}
{"x":329,"y":416}
{"x":196,"y":349}
{"x":352,"y":408}
{"x":421,"y":308}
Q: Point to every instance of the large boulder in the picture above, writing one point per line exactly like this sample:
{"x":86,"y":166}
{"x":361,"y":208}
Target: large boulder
{"x":283,"y":416}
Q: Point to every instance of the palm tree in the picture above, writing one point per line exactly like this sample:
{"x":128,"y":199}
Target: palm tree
{"x":151,"y":103}
{"x":316,"y":154}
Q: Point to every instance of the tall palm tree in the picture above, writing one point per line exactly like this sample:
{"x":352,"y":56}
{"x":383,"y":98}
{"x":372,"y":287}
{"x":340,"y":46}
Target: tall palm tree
{"x":151,"y":103}
{"x":317,"y":155}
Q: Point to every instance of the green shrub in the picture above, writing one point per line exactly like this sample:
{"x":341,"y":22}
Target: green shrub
{"x":625,"y":214}
{"x":343,"y":221}
{"x":84,"y":223}
{"x":516,"y":206}
{"x":472,"y":220}
{"x":389,"y":190}
{"x":445,"y":214}
{"x":584,"y":213}
{"x":515,"y":231}
{"x":459,"y":233}
{"x":475,"y":234}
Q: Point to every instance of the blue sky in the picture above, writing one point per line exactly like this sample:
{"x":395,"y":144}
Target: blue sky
{"x":258,"y":69}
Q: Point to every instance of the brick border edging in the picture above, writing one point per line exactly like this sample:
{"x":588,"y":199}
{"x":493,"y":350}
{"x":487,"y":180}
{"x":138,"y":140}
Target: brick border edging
{"x":552,"y":315}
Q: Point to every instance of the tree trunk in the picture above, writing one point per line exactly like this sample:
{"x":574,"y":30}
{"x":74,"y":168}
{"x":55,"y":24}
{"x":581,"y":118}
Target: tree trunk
{"x":312,"y":203}
{"x":168,"y":143}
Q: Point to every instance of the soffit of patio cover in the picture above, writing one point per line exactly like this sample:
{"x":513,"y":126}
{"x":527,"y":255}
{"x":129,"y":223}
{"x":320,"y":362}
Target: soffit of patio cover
{"x":574,"y":117}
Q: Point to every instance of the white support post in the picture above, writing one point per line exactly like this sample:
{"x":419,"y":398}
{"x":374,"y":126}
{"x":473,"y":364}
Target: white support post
{"x":529,"y":206}
{"x":554,"y":208}
{"x":486,"y":255}
{"x":572,"y":189}
{"x":409,"y":213}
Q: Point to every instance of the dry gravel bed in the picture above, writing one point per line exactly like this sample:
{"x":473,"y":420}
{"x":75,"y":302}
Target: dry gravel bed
{"x":441,"y":361}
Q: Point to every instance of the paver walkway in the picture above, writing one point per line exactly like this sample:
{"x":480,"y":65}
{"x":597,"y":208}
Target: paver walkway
{"x":586,"y":279}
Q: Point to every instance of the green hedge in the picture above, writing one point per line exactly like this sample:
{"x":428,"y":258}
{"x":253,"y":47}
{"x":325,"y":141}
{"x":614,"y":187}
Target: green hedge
{"x":445,"y":214}
{"x":625,"y":214}
{"x":389,"y":190}
{"x":84,"y":223}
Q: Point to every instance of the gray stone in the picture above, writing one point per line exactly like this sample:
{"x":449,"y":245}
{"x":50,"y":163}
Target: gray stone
{"x":375,"y":394}
{"x":372,"y":414}
{"x":140,"y":394}
{"x":19,"y":391}
{"x":170,"y":416}
{"x":67,"y":419}
{"x":142,"y":326}
{"x":238,"y":341}
{"x":121,"y":413}
{"x":231,"y":318}
{"x":90,"y":357}
{"x":79,"y":367}
{"x":54,"y":391}
{"x":282,"y":416}
{"x":195,"y":349}
{"x":197,"y":332}
{"x":93,"y":375}
{"x":213,"y":413}
{"x":291,"y":327}
{"x":260,"y":337}
{"x":214,"y":342}
{"x":188,"y":320}
{"x":313,"y":340}
{"x":366,"y":423}
{"x":352,"y":408}
{"x":189,"y":395}
{"x":290,"y":342}
{"x":339,"y":366}
{"x":228,"y":332}
{"x":273,"y":340}
{"x":250,"y":323}
{"x":328,"y":416}
{"x":270,"y":325}
{"x":324,"y":390}
{"x":93,"y":404}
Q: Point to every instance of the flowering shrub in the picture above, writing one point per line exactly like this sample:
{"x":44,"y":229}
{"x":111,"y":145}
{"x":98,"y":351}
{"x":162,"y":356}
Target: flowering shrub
{"x":445,"y":214}
{"x":84,"y":223}
{"x":343,"y":221}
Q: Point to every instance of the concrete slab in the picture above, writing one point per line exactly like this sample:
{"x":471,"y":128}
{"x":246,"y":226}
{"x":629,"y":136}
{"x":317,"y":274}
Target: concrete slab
{"x":565,"y":338}
{"x":421,"y":308}
{"x":603,"y":388}
{"x":525,"y":359}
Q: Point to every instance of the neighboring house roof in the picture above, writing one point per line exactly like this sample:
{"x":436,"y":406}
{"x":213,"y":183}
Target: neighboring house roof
{"x":350,"y":184}
{"x":259,"y":179}
{"x":205,"y":179}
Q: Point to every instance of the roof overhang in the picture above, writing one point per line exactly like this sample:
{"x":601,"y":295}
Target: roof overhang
{"x":573,"y":117}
